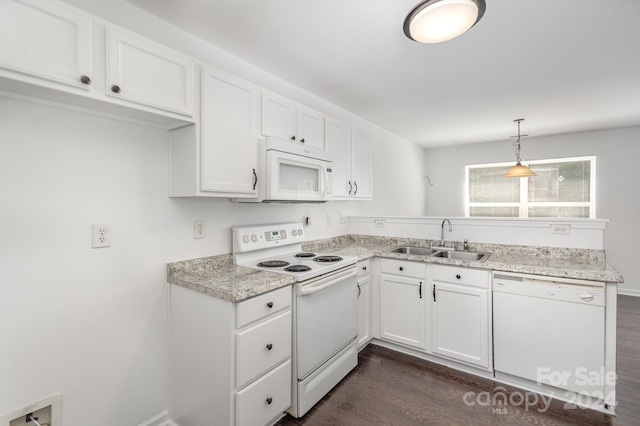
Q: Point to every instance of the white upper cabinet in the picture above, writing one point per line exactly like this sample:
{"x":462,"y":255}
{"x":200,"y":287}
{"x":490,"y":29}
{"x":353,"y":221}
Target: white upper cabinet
{"x":361,"y":165}
{"x":229,"y":147}
{"x":284,"y":119}
{"x":47,"y":40}
{"x":352,"y":160}
{"x":142,"y":71}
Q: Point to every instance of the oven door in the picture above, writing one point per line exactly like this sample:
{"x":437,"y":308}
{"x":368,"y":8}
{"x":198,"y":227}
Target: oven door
{"x":292,"y":177}
{"x":326,"y":318}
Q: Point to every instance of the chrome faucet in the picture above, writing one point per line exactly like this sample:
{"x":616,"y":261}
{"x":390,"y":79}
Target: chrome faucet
{"x":442,"y":231}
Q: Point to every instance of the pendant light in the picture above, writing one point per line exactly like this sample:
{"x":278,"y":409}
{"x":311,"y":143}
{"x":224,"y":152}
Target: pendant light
{"x":435,"y":21}
{"x":518,"y":170}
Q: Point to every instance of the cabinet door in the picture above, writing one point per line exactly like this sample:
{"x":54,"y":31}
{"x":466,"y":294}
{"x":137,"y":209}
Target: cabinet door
{"x":362,"y":159}
{"x":45,"y":40}
{"x":278,"y":117}
{"x":364,"y":330}
{"x":142,"y":71}
{"x":338,"y":142}
{"x":310,"y":127}
{"x":460,"y":323}
{"x":402,"y":311}
{"x":229,"y":145}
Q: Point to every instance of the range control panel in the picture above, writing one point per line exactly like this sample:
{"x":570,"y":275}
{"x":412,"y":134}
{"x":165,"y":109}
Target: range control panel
{"x":257,"y":237}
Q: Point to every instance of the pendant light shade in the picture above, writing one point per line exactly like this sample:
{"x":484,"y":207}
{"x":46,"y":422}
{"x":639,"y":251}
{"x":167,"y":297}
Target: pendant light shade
{"x":518,"y":170}
{"x":435,"y":21}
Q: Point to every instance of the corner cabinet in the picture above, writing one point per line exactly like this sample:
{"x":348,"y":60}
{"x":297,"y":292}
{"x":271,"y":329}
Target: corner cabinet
{"x":144,"y":72}
{"x":352,"y":168}
{"x":219,"y":156}
{"x":284,"y":119}
{"x":230,"y":362}
{"x":403,"y":302}
{"x":45,"y":42}
{"x":461,"y":315}
{"x":364,"y":303}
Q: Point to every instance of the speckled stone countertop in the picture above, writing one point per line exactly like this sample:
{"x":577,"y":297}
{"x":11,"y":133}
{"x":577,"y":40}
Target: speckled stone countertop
{"x":583,"y":264}
{"x":217,"y":275}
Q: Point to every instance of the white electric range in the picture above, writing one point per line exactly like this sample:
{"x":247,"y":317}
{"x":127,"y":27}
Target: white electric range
{"x":324,"y":305}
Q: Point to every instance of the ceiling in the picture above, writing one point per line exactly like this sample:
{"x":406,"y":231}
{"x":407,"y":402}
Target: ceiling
{"x":564,"y":66}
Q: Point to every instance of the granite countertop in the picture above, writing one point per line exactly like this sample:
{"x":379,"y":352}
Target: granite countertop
{"x":217,"y":275}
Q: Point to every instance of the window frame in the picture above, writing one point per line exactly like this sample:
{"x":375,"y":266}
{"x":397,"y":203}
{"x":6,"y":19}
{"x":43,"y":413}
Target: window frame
{"x":524,"y":203}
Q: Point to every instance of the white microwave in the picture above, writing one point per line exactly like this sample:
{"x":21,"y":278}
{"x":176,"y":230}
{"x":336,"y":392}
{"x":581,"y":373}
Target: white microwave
{"x":289,"y":172}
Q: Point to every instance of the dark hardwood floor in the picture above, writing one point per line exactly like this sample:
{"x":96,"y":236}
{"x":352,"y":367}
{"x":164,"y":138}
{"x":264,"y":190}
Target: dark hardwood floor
{"x":389,"y":388}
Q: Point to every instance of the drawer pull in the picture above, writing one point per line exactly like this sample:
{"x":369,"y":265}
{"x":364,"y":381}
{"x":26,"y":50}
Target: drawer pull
{"x":269,"y":346}
{"x":270,"y":305}
{"x":401,"y":268}
{"x":458,"y":276}
{"x":364,"y":268}
{"x":269,"y":400}
{"x":115,"y":88}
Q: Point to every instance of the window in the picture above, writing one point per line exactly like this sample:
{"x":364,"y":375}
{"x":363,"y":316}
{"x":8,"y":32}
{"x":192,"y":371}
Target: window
{"x":563,"y":188}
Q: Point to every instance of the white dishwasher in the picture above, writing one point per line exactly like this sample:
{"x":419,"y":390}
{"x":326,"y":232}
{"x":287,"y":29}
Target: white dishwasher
{"x":550,"y":330}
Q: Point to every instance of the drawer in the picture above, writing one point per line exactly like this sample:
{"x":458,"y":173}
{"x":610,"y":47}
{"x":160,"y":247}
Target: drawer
{"x":363,"y":267}
{"x":260,"y":306}
{"x":403,"y":267}
{"x":265,"y":399}
{"x":262,"y":346}
{"x":459,"y":275}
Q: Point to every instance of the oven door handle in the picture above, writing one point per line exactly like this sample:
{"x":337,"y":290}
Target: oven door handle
{"x":322,"y":283}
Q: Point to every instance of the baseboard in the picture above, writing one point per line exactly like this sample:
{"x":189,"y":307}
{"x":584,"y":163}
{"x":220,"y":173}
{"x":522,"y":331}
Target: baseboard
{"x":161,"y":419}
{"x":628,"y":292}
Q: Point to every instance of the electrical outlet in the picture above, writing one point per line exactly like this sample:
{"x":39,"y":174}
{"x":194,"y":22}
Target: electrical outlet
{"x":343,"y":218}
{"x":101,"y":236}
{"x":378,"y":223}
{"x":199,"y":229}
{"x":329,"y":219}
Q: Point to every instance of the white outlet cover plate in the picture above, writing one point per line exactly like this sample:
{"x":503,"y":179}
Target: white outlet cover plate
{"x":101,"y":236}
{"x":199,"y":229}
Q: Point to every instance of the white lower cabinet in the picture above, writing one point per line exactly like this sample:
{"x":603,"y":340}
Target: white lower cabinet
{"x":230,"y":362}
{"x":403,"y":302}
{"x":364,"y":303}
{"x":461,"y":315}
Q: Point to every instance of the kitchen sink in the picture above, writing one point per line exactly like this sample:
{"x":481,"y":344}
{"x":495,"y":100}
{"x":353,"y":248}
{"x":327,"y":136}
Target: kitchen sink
{"x":463,"y":255}
{"x":419,"y":251}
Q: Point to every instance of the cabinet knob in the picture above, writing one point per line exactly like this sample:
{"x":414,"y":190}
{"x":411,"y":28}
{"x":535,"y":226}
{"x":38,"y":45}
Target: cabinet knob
{"x":115,"y":88}
{"x":269,"y":400}
{"x":84,"y":79}
{"x":269,"y":346}
{"x":293,"y":138}
{"x":364,"y":268}
{"x":458,"y":276}
{"x":270,"y":305}
{"x":401,"y":268}
{"x":302,"y":140}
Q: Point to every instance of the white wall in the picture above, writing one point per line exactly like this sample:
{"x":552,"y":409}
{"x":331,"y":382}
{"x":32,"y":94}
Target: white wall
{"x":92,"y":323}
{"x":617,"y":185}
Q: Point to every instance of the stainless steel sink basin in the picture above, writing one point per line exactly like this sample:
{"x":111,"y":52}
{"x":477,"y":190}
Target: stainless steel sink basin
{"x":463,"y":255}
{"x":419,"y":251}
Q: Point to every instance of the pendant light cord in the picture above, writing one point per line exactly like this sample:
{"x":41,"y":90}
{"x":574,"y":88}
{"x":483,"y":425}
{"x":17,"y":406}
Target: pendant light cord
{"x":516,"y":144}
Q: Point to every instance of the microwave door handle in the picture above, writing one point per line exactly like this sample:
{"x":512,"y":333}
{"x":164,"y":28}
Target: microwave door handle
{"x":325,"y":179}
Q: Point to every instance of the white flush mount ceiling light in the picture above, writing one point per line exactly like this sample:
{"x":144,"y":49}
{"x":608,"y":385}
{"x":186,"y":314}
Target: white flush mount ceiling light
{"x":519,"y":170}
{"x":434,"y":21}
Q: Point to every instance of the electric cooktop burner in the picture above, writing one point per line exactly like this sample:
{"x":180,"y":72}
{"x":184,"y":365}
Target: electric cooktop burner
{"x":304,"y":255}
{"x":297,"y":268}
{"x":273,"y":264}
{"x":328,"y":258}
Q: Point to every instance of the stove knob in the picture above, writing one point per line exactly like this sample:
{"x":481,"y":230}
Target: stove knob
{"x":294,"y":232}
{"x":254,"y":238}
{"x":300,"y":232}
{"x":245,"y":239}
